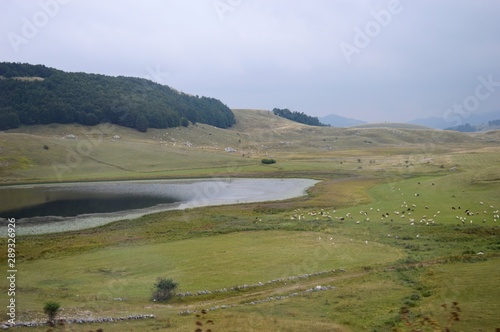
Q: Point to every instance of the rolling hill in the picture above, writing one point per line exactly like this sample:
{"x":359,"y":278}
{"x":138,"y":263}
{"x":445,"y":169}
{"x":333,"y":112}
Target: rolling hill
{"x":403,"y":218}
{"x":391,"y":125}
{"x":66,"y":152}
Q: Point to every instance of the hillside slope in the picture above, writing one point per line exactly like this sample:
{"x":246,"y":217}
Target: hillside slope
{"x":71,"y":152}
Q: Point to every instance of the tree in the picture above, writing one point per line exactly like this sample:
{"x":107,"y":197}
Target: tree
{"x":184,"y":122}
{"x":51,"y":309}
{"x":8,"y":119}
{"x":141,"y":123}
{"x":164,"y":289}
{"x":54,"y":96}
{"x":297,"y":117}
{"x":466,"y":128}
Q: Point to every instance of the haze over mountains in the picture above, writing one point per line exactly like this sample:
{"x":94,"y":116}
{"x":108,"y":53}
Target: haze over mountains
{"x":454,"y":120}
{"x":457,"y":120}
{"x":339,"y":121}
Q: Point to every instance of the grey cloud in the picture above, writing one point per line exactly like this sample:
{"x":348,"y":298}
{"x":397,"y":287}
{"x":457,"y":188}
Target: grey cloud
{"x":276,"y":53}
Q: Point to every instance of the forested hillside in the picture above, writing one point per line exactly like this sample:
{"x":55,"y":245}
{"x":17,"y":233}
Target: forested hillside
{"x":36,"y":94}
{"x":297,"y":117}
{"x":468,"y":128}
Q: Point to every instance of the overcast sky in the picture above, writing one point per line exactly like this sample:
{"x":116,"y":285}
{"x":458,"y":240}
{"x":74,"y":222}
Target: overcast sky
{"x":370,"y":60}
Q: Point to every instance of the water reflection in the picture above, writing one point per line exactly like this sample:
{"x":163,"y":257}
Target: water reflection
{"x":73,"y":206}
{"x":78,"y":206}
{"x":78,"y":199}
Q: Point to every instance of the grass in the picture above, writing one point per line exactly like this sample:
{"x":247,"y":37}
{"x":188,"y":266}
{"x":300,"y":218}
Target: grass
{"x":96,"y":155}
{"x":473,"y":286}
{"x":197,"y":264}
{"x":366,"y":172}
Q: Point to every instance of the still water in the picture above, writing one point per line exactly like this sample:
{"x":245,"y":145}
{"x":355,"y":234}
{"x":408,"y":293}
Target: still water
{"x":71,"y":206}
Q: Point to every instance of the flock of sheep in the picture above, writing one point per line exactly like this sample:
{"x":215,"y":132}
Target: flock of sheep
{"x":410,"y":213}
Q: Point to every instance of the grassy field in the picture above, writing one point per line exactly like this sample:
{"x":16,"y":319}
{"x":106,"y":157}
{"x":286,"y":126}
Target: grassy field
{"x":403,"y":218}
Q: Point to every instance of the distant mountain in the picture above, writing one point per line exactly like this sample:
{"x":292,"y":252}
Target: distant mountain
{"x":457,"y":120}
{"x":35,"y":94}
{"x":468,"y":128}
{"x":339,"y":121}
{"x":432,"y":122}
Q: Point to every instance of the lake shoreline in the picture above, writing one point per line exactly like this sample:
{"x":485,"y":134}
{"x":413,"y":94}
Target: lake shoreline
{"x":191,"y":193}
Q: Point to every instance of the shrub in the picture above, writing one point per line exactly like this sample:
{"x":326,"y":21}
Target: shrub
{"x":184,"y":122}
{"x":268,"y":161}
{"x":51,"y":309}
{"x":164,"y":289}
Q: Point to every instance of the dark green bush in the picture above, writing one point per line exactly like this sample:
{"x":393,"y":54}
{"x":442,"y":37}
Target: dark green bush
{"x":164,"y":289}
{"x":268,"y":161}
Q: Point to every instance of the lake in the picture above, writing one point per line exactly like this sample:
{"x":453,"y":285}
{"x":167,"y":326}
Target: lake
{"x":71,"y":206}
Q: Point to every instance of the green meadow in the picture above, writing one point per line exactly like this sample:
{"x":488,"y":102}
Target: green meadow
{"x":401,"y":234}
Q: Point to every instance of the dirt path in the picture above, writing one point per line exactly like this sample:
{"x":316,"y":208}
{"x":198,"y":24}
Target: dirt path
{"x":285,"y":288}
{"x":294,"y":286}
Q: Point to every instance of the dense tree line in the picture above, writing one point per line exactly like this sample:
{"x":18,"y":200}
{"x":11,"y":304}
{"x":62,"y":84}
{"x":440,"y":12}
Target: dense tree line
{"x":35,"y":94}
{"x":466,"y":128}
{"x":297,"y":117}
